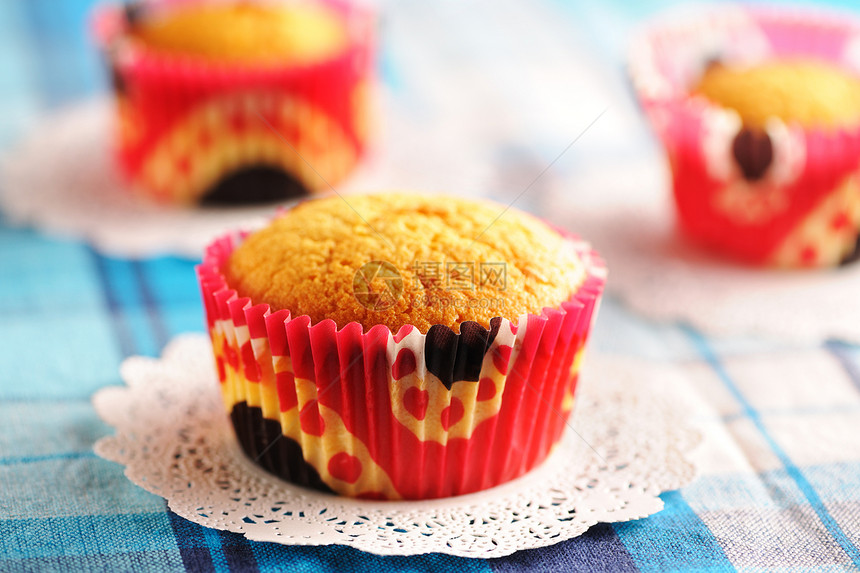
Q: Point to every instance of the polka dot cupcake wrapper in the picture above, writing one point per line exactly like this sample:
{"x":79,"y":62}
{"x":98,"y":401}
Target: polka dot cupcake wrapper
{"x":396,"y":416}
{"x":185,"y":128}
{"x":799,"y":208}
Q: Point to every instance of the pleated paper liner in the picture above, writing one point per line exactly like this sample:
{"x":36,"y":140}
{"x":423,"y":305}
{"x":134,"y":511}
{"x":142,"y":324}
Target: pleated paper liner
{"x":805,"y":210}
{"x":396,"y":416}
{"x":191,"y":130}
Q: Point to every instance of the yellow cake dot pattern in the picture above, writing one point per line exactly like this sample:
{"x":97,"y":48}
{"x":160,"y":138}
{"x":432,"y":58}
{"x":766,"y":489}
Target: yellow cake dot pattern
{"x":241,"y":130}
{"x":129,"y":126}
{"x":479,"y":400}
{"x":568,"y":400}
{"x":827,"y":234}
{"x":318,"y":450}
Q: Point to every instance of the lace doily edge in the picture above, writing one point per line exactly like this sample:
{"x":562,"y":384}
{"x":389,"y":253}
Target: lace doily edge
{"x":682,"y":471}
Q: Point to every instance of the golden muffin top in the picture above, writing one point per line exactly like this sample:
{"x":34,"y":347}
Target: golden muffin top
{"x":812,"y":93}
{"x":244,"y":31}
{"x":398,"y":258}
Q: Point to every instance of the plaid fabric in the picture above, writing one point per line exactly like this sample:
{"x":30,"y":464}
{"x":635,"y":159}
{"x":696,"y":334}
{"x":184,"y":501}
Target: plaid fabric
{"x":781,"y":459}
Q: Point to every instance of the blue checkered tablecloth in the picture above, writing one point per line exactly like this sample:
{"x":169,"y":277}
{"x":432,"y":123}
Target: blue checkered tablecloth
{"x":780,"y":483}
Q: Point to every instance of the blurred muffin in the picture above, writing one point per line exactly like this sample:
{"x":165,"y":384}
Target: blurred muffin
{"x":237,"y":102}
{"x":761,"y":120}
{"x":416,"y":350}
{"x":809,"y":92}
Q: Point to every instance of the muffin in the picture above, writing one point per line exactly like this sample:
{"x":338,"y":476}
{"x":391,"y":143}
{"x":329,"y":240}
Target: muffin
{"x":399,"y":346}
{"x":761,"y":120}
{"x":237,"y":102}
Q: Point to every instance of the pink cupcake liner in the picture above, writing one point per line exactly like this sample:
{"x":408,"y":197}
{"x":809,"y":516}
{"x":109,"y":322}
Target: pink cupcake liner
{"x":809,"y":165}
{"x":397,"y":416}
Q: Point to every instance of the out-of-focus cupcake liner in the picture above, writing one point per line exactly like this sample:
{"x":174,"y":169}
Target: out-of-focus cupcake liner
{"x":184,"y":124}
{"x":396,"y":416}
{"x":713,"y":198}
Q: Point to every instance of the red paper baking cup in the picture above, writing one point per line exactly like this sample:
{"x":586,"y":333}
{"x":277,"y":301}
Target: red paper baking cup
{"x":805,"y":210}
{"x":396,"y":416}
{"x":190,"y":129}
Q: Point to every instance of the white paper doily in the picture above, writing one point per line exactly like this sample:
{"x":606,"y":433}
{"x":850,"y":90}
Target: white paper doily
{"x":662,"y":276}
{"x":175,"y":441}
{"x":62,"y":180}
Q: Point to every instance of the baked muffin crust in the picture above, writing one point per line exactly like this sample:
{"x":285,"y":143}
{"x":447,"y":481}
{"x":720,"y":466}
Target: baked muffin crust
{"x":812,"y":93}
{"x":244,"y":31}
{"x":307,"y":261}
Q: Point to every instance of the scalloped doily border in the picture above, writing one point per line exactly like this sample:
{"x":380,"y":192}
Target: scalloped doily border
{"x":175,"y":441}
